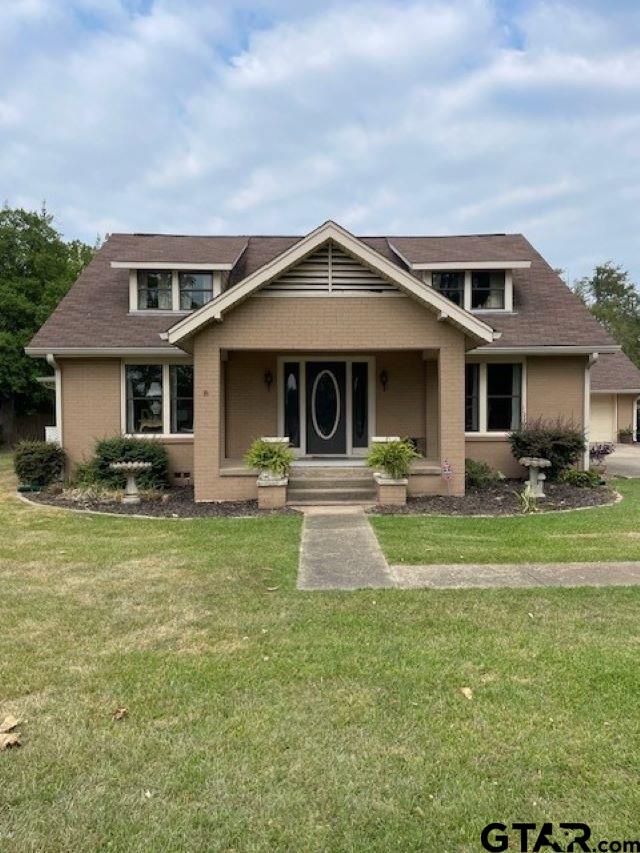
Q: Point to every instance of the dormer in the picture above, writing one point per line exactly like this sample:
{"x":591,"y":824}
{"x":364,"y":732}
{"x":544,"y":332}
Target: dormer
{"x":478,"y":286}
{"x":475,"y":289}
{"x":170,"y":274}
{"x":171,"y":288}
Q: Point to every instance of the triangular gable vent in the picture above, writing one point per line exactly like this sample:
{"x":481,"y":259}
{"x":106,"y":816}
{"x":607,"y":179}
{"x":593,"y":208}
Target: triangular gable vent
{"x":329,"y":270}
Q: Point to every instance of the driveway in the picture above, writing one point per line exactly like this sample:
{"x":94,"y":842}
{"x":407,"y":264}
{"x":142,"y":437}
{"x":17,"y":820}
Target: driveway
{"x":624,"y":461}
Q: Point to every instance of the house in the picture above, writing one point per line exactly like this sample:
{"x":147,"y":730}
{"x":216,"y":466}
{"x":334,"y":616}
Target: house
{"x":206,"y":343}
{"x":615,"y":391}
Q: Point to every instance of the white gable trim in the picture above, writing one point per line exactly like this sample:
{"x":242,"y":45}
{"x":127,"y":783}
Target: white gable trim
{"x":215,"y":309}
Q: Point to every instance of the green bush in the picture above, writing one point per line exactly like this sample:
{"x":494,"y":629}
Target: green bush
{"x":581,"y":479}
{"x":38,"y":463}
{"x":269,"y":456}
{"x":479,"y":475}
{"x":85,"y":474}
{"x":120,"y":449}
{"x":394,"y":457}
{"x":561,"y":442}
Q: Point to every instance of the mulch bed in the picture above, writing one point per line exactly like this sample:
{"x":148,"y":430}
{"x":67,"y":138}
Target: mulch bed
{"x":500,"y":500}
{"x":180,"y":504}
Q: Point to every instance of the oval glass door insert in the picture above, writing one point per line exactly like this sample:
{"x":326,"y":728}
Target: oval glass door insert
{"x":325,"y":404}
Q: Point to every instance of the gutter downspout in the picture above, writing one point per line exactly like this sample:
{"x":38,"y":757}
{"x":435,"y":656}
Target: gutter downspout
{"x":58,"y":380}
{"x":586,"y":409}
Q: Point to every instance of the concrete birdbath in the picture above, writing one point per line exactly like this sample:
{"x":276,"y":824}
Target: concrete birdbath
{"x":536,"y":474}
{"x":130,"y":470}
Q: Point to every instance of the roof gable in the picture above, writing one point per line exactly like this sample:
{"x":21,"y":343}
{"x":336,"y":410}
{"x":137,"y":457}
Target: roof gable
{"x":369,"y":258}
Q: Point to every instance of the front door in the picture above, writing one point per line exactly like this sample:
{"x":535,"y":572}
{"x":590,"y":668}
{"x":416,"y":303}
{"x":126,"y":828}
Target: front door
{"x":326,"y":383}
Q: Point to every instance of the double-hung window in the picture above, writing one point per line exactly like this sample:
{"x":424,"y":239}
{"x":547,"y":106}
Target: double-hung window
{"x":472,"y":398}
{"x":196,"y":288}
{"x":504,"y":397}
{"x":450,"y":284}
{"x":181,"y":378}
{"x":488,"y":290}
{"x":158,"y":399}
{"x":155,"y":290}
{"x":493,"y":397}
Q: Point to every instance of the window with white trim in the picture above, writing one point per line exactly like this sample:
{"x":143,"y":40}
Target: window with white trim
{"x":155,"y":290}
{"x":181,"y":377}
{"x":488,"y":290}
{"x":472,"y":398}
{"x":144,"y":398}
{"x":450,"y":284}
{"x":493,"y":397}
{"x":158,"y":399}
{"x":196,"y":289}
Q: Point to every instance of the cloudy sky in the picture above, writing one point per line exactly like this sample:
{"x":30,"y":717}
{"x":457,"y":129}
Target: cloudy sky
{"x":270,"y":116}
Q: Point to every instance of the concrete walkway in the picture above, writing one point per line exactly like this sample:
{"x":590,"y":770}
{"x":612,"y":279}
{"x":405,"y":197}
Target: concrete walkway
{"x":459,"y":576}
{"x":339,"y":550}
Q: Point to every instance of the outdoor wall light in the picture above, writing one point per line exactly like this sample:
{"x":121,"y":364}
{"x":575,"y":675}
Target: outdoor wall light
{"x":384,"y":379}
{"x":268,"y":379}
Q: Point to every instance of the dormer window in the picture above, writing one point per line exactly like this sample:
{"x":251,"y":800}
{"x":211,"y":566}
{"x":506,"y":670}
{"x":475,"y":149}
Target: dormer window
{"x":488,"y":290}
{"x":196,"y":288}
{"x":155,"y":290}
{"x":450,"y":284}
{"x":479,"y":288}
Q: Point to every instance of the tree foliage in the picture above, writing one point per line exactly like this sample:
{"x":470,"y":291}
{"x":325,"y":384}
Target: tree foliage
{"x":37,"y":268}
{"x":614,"y":300}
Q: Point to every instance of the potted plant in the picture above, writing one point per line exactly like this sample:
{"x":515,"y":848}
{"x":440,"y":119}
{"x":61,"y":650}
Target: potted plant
{"x":625,"y":435}
{"x":272,"y":458}
{"x":394,"y":456}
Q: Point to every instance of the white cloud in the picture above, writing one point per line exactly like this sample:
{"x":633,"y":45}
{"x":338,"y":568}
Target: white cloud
{"x":271,"y":116}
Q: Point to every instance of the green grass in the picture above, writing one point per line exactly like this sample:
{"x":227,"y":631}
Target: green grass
{"x":608,"y":533}
{"x":279,"y":720}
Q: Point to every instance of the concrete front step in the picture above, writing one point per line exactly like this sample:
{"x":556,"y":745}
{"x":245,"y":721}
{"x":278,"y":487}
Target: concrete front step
{"x":331,"y":473}
{"x":334,"y":495}
{"x":331,"y":482}
{"x":316,"y":502}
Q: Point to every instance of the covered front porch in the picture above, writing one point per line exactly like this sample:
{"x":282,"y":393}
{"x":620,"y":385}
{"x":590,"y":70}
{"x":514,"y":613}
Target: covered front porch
{"x":331,"y":406}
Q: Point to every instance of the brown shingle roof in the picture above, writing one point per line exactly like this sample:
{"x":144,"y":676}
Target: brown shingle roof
{"x":615,"y":372}
{"x":95,"y":312}
{"x":178,"y":249}
{"x":470,"y":247}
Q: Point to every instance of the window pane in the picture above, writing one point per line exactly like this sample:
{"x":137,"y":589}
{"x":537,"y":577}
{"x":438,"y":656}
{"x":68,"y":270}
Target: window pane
{"x":472,"y":398}
{"x":504,"y":396}
{"x":487,"y":289}
{"x":196,"y":288}
{"x":144,"y":397}
{"x":360,"y":435}
{"x":154,"y":290}
{"x":292,"y":402}
{"x":450,"y":284}
{"x":181,"y":397}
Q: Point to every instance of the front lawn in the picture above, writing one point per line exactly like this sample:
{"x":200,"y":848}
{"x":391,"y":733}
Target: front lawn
{"x":262,"y":718}
{"x":609,"y":533}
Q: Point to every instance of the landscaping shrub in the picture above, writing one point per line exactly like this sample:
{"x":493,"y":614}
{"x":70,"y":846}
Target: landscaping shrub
{"x":38,"y":463}
{"x":269,"y":456}
{"x":479,"y":475}
{"x":581,"y":479}
{"x":85,"y":474}
{"x":394,"y":457}
{"x":120,"y":449}
{"x":561,"y":442}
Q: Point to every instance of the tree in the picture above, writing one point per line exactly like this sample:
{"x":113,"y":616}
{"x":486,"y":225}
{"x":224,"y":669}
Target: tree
{"x":614,"y":300}
{"x":37,"y":268}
